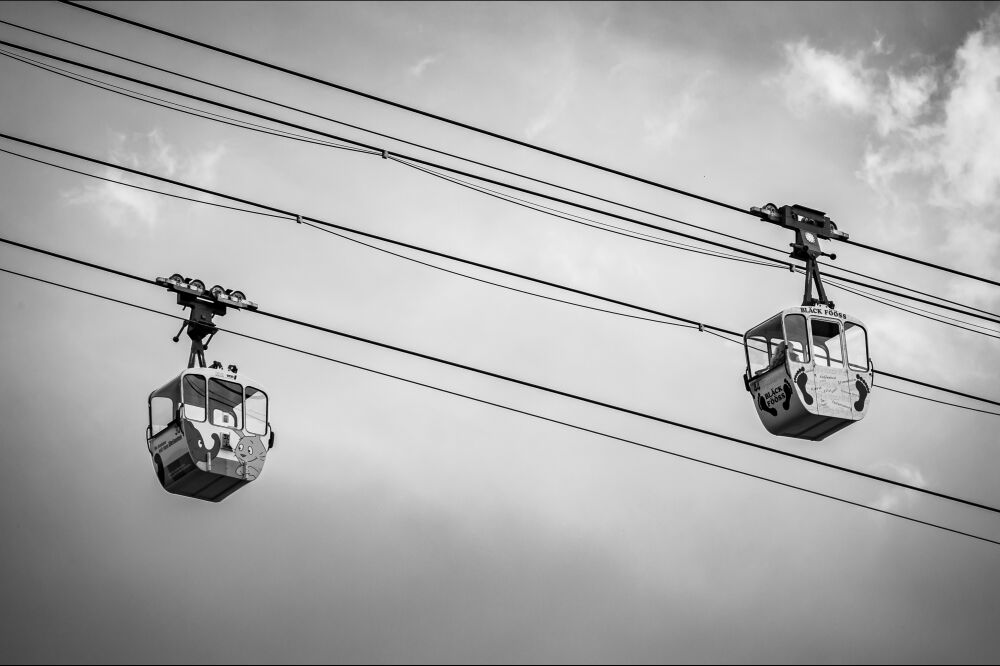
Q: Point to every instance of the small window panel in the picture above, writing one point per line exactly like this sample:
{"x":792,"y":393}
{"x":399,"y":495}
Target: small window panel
{"x":161,"y":414}
{"x":225,"y":401}
{"x":193,"y":394}
{"x":255,"y":406}
{"x":856,"y":340}
{"x":826,"y":343}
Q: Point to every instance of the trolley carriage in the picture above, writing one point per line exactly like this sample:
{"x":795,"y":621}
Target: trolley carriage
{"x":208,"y":432}
{"x":808,"y":368}
{"x":808,"y":371}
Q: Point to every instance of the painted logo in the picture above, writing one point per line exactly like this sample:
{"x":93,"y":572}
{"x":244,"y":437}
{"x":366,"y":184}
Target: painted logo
{"x":863,"y":392}
{"x":801,"y":379}
{"x":201,"y":450}
{"x":251,"y":453}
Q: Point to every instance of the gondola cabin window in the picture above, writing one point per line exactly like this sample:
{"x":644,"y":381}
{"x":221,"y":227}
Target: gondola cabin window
{"x":256,"y":411}
{"x":225,"y":403}
{"x":856,"y":340}
{"x":193,"y":393}
{"x":763,"y":343}
{"x":797,"y":338}
{"x":161,"y":413}
{"x":826,"y":343}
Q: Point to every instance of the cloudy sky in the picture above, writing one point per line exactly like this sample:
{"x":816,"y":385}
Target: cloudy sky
{"x":394,"y":523}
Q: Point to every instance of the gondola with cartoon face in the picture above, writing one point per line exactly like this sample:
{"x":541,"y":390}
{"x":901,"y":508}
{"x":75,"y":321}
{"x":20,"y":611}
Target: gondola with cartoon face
{"x":208,"y":433}
{"x":808,"y":368}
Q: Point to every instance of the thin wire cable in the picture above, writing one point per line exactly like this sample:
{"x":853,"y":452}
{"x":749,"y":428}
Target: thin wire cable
{"x":877,"y":372}
{"x":986,"y":332}
{"x":910,"y":309}
{"x":227,"y":120}
{"x":495,"y":284}
{"x":411,"y":109}
{"x":495,"y":135}
{"x":468,"y":160}
{"x":144,"y":189}
{"x":942,"y":402}
{"x":936,"y":387}
{"x":440,"y":268}
{"x":829,"y":267}
{"x":643,"y":236}
{"x":292,"y":215}
{"x":457,"y":273}
{"x":175,"y":106}
{"x":384,"y":135}
{"x":386,"y":154}
{"x":515,"y":410}
{"x":561,"y":393}
{"x":578,"y":219}
{"x":368,"y":245}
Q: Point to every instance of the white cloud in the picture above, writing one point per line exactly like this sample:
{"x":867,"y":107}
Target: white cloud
{"x":936,"y":138}
{"x":202,"y":168}
{"x":890,"y":500}
{"x":660,"y":129}
{"x":970,"y":148}
{"x":879,"y":47}
{"x":422,"y":65}
{"x":905,"y":100}
{"x":556,"y":106}
{"x":121,"y":206}
{"x":815,"y":76}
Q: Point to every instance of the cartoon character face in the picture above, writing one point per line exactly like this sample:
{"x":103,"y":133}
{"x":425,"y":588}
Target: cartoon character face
{"x":251,"y":453}
{"x":202,"y":449}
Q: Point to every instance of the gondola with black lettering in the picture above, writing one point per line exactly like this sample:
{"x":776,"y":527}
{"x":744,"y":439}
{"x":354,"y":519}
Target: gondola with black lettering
{"x":808,"y":367}
{"x":208,"y":433}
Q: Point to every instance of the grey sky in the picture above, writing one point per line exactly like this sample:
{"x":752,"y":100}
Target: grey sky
{"x":396,"y":524}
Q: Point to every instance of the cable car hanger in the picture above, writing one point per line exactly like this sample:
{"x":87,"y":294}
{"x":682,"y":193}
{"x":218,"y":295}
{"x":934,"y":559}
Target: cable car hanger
{"x":808,"y":369}
{"x":809,"y":225}
{"x":208,"y":432}
{"x":205,"y":305}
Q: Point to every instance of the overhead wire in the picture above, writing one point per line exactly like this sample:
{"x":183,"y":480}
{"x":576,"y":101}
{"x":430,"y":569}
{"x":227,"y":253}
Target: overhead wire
{"x":139,"y":187}
{"x":545,"y":389}
{"x":295,"y":216}
{"x":490,"y":282}
{"x":578,"y":219}
{"x":174,"y":106}
{"x":516,"y":410}
{"x":260,"y":128}
{"x":383,"y":135}
{"x":353,"y":240}
{"x":941,"y":319}
{"x":721,"y":255}
{"x":374,"y":149}
{"x":386,"y":154}
{"x":941,"y":402}
{"x":465,"y":159}
{"x":411,"y":109}
{"x":544,"y":209}
{"x":492,"y":134}
{"x":440,"y":268}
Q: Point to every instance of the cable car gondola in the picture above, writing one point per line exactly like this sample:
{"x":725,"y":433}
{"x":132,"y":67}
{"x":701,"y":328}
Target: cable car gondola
{"x":208,"y":432}
{"x":808,"y":368}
